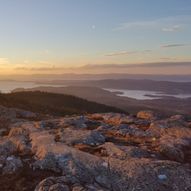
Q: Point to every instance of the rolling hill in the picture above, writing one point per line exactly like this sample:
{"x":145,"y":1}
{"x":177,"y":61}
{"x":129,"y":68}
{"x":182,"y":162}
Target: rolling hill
{"x":52,"y":103}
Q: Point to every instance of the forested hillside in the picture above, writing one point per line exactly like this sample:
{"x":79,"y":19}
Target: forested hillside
{"x":54,"y":104}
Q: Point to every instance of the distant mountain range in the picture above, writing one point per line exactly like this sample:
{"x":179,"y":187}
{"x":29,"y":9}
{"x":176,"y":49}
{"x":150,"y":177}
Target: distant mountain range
{"x":130,"y":84}
{"x":73,"y":76}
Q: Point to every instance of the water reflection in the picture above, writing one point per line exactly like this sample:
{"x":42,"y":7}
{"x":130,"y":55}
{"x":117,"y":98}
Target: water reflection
{"x":145,"y":95}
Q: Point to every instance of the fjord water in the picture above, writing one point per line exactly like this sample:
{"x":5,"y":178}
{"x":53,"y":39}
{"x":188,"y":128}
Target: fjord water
{"x":145,"y":95}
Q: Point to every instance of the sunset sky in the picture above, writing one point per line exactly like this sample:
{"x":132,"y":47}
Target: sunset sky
{"x":92,"y":36}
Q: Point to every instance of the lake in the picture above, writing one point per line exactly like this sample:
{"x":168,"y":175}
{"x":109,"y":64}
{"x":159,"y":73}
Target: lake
{"x":144,"y":95}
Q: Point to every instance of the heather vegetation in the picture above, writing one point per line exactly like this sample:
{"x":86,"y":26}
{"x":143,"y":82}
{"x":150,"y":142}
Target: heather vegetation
{"x":53,"y":104}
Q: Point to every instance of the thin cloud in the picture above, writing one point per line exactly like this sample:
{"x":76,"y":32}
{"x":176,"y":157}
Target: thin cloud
{"x":109,"y":67}
{"x":174,"y":28}
{"x":138,"y":24}
{"x":4,"y":61}
{"x":173,"y":59}
{"x":143,"y":65}
{"x":174,"y":22}
{"x":146,"y":51}
{"x":173,"y":45}
{"x":168,"y":59}
{"x":45,"y":69}
{"x":44,"y":52}
{"x":124,"y":53}
{"x":121,"y":53}
{"x":39,"y":68}
{"x":43,"y":62}
{"x":26,"y":61}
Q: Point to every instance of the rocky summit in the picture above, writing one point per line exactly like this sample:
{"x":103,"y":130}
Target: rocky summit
{"x":94,"y":152}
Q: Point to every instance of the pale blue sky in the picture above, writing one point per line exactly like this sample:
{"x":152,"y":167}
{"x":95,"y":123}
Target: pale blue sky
{"x":67,"y":33}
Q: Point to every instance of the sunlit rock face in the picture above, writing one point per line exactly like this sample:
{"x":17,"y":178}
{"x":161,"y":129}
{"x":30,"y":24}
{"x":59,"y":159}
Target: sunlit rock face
{"x":108,"y":151}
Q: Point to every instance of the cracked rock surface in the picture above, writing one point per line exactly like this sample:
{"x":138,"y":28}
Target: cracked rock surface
{"x":102,"y":152}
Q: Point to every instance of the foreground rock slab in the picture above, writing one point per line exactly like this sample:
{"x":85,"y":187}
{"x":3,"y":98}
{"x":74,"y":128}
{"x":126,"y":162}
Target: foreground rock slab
{"x":102,"y":152}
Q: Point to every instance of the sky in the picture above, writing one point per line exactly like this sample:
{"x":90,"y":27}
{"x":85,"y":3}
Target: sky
{"x":95,"y":36}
